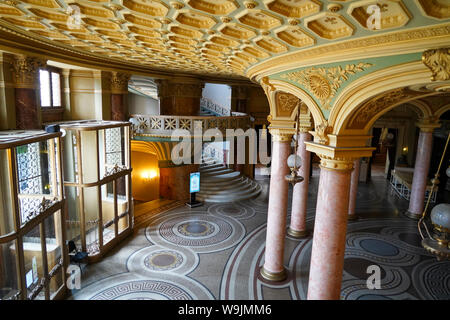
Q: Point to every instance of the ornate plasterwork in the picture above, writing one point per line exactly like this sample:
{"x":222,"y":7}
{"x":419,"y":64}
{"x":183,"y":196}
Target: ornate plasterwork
{"x":438,"y":61}
{"x":286,"y":103}
{"x":324,"y":83}
{"x":374,"y":106}
{"x":322,"y":130}
{"x":25,"y":71}
{"x":119,"y":82}
{"x":141,"y":33}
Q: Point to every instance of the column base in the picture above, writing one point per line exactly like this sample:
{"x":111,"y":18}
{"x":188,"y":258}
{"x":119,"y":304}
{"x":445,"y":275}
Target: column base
{"x":273,"y":276}
{"x":297,"y":234}
{"x":352,"y":217}
{"x":415,"y":216}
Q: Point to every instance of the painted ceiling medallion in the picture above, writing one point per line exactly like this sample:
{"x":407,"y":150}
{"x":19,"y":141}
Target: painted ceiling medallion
{"x":325,"y":82}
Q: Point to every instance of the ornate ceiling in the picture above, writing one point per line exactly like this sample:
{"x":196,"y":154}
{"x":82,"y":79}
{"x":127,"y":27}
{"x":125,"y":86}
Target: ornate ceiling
{"x":220,"y":37}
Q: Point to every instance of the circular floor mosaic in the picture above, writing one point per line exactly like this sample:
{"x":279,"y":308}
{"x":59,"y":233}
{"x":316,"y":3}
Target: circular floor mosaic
{"x":163,"y":260}
{"x":195,"y":231}
{"x":232,"y":210}
{"x":143,"y":289}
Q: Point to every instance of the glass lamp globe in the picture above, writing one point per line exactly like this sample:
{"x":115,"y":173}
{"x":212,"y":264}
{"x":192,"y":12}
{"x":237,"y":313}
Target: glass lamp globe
{"x":440,"y":217}
{"x":294,"y":160}
{"x":447,"y":172}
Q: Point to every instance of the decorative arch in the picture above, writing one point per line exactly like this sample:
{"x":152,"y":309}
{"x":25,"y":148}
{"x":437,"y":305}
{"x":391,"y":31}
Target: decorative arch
{"x":442,"y":110}
{"x":273,"y":87}
{"x":161,"y":149}
{"x":365,"y":100}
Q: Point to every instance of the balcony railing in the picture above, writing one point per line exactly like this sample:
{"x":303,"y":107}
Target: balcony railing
{"x":207,"y":104}
{"x":166,"y":125}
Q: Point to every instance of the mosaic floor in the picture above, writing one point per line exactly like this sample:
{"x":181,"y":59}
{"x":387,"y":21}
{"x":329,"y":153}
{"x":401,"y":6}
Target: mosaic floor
{"x":215,"y":252}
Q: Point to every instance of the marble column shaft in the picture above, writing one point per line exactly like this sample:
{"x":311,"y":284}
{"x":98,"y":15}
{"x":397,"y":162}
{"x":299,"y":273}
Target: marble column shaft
{"x":300,"y":192}
{"x":327,"y":257}
{"x":421,"y":168}
{"x":277,"y":210}
{"x":354,"y":187}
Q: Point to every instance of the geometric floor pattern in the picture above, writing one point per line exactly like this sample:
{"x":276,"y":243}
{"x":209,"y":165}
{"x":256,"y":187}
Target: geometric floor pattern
{"x":215,"y":252}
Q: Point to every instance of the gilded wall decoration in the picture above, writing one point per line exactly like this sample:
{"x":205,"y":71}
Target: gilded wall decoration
{"x":25,"y":70}
{"x":119,"y":82}
{"x":322,"y":131}
{"x":286,"y":103}
{"x":324,"y":83}
{"x":438,"y":61}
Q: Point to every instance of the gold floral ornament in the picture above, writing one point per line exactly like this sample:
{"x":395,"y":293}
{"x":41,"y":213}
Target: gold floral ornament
{"x":438,"y":61}
{"x":324,"y":83}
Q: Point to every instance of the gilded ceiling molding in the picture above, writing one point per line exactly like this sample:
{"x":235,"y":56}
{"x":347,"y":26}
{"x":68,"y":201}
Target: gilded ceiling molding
{"x":324,"y":83}
{"x":413,"y":75}
{"x":119,"y":82}
{"x":438,"y":61}
{"x":25,"y":71}
{"x":411,"y":40}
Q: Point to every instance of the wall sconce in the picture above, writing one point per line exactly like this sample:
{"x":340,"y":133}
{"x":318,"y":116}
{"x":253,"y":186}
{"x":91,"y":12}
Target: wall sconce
{"x":405,"y":150}
{"x":147,"y":176}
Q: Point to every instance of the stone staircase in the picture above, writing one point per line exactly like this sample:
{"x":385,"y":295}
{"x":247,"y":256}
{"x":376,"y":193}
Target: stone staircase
{"x":206,"y":113}
{"x":220,"y":184}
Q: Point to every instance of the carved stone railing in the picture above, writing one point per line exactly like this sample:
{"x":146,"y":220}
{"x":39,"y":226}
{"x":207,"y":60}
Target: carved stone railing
{"x":215,"y":108}
{"x":166,"y":125}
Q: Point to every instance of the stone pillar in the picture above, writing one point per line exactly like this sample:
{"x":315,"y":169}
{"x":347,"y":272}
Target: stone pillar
{"x":337,"y":154}
{"x":119,"y":92}
{"x":273,"y":269}
{"x":353,"y":190}
{"x":327,"y":257}
{"x":239,"y":98}
{"x":179,"y":96}
{"x":297,"y":228}
{"x":26,"y":82}
{"x":421,"y":168}
{"x":66,"y":94}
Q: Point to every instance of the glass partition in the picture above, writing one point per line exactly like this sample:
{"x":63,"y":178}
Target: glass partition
{"x":97,"y":183}
{"x":33,"y":256}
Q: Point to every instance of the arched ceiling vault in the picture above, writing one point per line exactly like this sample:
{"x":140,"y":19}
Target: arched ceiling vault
{"x":227,"y":39}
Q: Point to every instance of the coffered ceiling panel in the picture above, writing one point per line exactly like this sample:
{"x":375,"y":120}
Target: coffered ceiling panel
{"x":219,"y":37}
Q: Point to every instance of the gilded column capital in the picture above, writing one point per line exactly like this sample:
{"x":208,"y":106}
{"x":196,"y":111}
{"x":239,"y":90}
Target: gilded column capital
{"x":428,"y":125}
{"x":119,"y":82}
{"x":25,"y":71}
{"x":338,"y":158}
{"x":438,"y":61}
{"x":281,"y":135}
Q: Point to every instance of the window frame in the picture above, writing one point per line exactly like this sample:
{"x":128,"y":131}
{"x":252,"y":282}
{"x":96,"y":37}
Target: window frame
{"x":51,"y":70}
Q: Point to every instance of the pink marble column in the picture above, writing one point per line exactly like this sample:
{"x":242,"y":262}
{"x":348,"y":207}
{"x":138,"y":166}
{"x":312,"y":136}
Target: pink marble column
{"x":353,"y":190}
{"x":327,"y":257}
{"x":419,"y":184}
{"x":273,"y":268}
{"x":297,"y":229}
